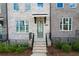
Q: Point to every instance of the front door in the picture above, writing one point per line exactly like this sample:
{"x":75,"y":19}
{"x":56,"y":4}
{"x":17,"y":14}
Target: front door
{"x":40,"y":28}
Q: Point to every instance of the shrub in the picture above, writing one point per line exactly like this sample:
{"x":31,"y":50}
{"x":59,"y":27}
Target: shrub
{"x":23,"y":45}
{"x":75,"y":46}
{"x":19,"y":49}
{"x":2,"y":47}
{"x":58,"y":45}
{"x":66,"y":47}
{"x":13,"y":47}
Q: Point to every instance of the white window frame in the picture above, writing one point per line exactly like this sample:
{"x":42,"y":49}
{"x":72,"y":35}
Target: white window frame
{"x":72,"y":7}
{"x":25,"y":23}
{"x":68,"y":24}
{"x":59,"y":7}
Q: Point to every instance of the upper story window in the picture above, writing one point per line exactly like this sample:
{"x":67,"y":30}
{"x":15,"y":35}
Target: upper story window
{"x":16,"y":6}
{"x":27,"y":6}
{"x":72,"y":5}
{"x":59,"y":5}
{"x":0,"y":8}
{"x":40,"y":6}
{"x":66,"y":24}
{"x":22,"y":26}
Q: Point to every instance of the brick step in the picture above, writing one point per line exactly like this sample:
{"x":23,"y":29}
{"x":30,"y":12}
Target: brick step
{"x":39,"y":51}
{"x":39,"y":45}
{"x":38,"y":54}
{"x":39,"y":40}
{"x":39,"y":48}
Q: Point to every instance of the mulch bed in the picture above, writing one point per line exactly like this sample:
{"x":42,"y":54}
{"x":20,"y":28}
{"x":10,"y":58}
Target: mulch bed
{"x":56,"y":52}
{"x":27,"y":52}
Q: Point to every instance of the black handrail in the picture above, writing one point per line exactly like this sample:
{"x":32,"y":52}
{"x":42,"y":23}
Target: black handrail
{"x":46,"y":40}
{"x":32,"y":40}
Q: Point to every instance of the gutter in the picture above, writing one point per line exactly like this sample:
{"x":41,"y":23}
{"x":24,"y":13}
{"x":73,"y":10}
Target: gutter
{"x":50,"y":21}
{"x":7,"y":20}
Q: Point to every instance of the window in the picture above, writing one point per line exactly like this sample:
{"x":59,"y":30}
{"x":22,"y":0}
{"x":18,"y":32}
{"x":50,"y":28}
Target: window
{"x":66,"y":24}
{"x":72,"y":5}
{"x":27,"y":6}
{"x":22,"y":26}
{"x":16,"y":6}
{"x":59,"y":5}
{"x":1,"y":29}
{"x":40,"y":6}
{"x":0,"y":8}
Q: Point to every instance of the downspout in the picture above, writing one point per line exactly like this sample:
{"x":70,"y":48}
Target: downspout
{"x":50,"y":21}
{"x":7,"y":20}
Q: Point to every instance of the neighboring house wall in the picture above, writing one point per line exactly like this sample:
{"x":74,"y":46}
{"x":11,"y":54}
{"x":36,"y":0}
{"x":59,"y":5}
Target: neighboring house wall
{"x":23,"y":14}
{"x":3,"y":18}
{"x":57,"y":14}
{"x":14,"y":16}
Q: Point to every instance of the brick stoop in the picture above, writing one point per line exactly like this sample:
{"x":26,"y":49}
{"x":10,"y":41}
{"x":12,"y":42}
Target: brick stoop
{"x":39,"y":48}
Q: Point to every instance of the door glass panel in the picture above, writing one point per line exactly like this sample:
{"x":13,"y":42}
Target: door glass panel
{"x":40,"y":28}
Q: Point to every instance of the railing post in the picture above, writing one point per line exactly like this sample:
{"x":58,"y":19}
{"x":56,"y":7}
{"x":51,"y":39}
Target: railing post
{"x":46,"y":40}
{"x":32,"y":40}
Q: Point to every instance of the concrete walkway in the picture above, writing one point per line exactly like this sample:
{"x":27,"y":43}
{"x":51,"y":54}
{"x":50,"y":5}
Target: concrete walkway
{"x":39,"y":48}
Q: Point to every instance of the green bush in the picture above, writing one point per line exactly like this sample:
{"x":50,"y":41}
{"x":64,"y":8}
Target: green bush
{"x":2,"y":47}
{"x":13,"y":47}
{"x":19,"y":49}
{"x":66,"y":47}
{"x":58,"y":45}
{"x":75,"y":46}
{"x":23,"y":45}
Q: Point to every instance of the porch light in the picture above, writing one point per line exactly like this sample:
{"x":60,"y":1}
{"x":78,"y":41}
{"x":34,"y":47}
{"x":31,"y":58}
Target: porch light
{"x":44,"y":19}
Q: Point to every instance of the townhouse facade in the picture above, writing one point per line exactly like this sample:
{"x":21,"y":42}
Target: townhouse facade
{"x":64,"y":21}
{"x":25,"y":18}
{"x":58,"y":20}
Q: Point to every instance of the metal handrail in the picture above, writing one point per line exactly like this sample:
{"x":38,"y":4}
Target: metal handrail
{"x":48,"y":36}
{"x":46,"y":40}
{"x":32,"y":40}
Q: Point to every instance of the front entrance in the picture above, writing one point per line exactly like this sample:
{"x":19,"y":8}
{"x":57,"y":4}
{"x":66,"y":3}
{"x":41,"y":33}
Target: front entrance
{"x":40,"y":28}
